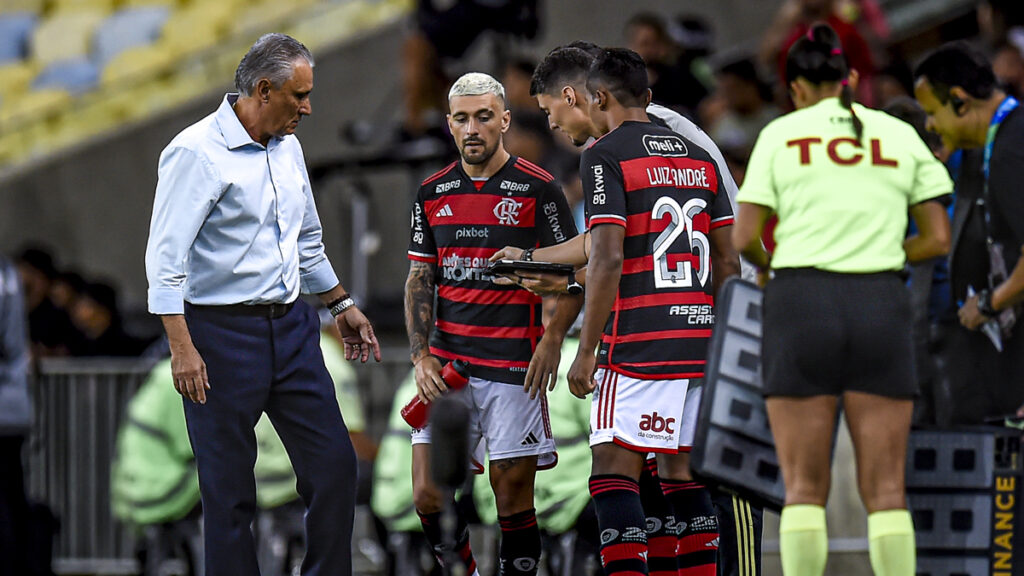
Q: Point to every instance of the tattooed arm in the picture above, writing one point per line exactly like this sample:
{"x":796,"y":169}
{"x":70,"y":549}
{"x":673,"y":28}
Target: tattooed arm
{"x":419,"y":314}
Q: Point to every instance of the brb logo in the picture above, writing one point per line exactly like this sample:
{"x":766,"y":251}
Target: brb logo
{"x":507,"y":212}
{"x":657,"y":424}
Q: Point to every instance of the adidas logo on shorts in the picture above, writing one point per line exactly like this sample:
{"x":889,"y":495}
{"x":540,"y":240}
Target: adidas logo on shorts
{"x":530,"y":440}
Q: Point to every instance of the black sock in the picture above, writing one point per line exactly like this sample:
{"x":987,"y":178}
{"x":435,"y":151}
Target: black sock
{"x":739,"y":527}
{"x":621,"y":519}
{"x":661,"y":524}
{"x":432,"y":530}
{"x":697,"y":549}
{"x":520,"y":544}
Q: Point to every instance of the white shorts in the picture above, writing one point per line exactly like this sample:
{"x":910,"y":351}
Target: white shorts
{"x":643,"y":415}
{"x":503,"y":423}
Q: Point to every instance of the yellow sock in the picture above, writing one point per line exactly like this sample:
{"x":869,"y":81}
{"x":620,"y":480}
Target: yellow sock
{"x":891,"y":543}
{"x":803,"y":540}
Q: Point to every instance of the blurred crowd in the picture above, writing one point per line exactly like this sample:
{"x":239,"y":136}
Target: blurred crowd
{"x":71,"y":315}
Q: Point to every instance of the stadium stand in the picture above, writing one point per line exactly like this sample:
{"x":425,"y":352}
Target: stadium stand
{"x":73,"y":69}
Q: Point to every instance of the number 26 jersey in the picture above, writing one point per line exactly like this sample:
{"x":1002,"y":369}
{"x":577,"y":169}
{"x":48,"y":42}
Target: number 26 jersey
{"x":667,"y":193}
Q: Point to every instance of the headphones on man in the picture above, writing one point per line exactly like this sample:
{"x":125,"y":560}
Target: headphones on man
{"x":958,"y":105}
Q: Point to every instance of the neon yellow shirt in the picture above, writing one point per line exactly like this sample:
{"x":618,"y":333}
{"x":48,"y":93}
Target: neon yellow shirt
{"x":842,"y":206}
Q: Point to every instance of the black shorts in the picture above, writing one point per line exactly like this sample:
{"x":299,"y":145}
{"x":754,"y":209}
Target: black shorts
{"x":827,"y":333}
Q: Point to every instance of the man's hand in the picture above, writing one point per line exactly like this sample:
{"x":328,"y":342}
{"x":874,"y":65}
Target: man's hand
{"x":581,"y":374}
{"x":970,"y":317}
{"x":544,"y":284}
{"x":189,"y":372}
{"x":543,"y":370}
{"x":508,"y":253}
{"x":357,"y":335}
{"x":429,"y":384}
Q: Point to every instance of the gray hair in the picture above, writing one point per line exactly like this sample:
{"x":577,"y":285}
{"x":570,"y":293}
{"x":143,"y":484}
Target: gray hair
{"x":476,"y":84}
{"x":272,"y":57}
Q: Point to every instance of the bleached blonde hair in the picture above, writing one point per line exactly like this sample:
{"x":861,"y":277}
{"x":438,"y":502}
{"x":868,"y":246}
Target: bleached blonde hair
{"x":475,"y":84}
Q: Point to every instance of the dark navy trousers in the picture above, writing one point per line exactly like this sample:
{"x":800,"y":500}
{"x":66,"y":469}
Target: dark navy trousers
{"x":258,"y":364}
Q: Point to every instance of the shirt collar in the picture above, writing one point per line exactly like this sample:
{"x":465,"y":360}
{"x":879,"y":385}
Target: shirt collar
{"x":235,"y":135}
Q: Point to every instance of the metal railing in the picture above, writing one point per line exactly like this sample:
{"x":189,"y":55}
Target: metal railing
{"x":79,"y":405}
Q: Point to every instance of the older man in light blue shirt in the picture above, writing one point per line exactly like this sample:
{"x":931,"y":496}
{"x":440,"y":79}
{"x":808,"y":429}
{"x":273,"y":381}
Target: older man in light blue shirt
{"x":234,"y":239}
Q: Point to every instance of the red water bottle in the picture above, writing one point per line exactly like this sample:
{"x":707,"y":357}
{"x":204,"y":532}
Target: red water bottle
{"x":455,"y":375}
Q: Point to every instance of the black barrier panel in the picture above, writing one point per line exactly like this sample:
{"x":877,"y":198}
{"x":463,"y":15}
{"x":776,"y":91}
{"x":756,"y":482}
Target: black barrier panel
{"x":948,"y":522}
{"x":950,"y":460}
{"x":733,"y":448}
{"x":740,"y":359}
{"x":746,"y":465}
{"x":952,"y":566}
{"x":740,"y":409}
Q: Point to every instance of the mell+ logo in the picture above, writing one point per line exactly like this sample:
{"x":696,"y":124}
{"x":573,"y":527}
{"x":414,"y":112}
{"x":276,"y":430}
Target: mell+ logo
{"x":507,"y":212}
{"x":672,"y":146}
{"x":655,"y":423}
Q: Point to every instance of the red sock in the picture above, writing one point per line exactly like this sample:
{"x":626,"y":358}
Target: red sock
{"x":621,"y":520}
{"x":519,"y":553}
{"x":697,"y":548}
{"x":432,"y":530}
{"x":661,"y":524}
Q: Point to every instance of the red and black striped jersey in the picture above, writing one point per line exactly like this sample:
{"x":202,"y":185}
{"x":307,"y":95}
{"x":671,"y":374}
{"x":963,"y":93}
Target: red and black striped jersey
{"x":458,"y":224}
{"x":665,"y":191}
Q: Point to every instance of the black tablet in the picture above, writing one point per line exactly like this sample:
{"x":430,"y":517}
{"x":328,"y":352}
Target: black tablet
{"x":513,"y":266}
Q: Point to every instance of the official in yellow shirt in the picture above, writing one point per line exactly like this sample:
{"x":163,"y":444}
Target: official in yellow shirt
{"x":841,"y":179}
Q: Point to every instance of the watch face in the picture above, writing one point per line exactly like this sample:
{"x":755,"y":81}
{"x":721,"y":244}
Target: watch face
{"x":575,"y":288}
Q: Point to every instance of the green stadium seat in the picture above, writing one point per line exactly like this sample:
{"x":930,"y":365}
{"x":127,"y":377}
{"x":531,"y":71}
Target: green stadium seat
{"x":33,"y":6}
{"x":16,"y":77}
{"x":38,"y":104}
{"x":86,"y":5}
{"x":137,"y":65}
{"x":65,"y":35}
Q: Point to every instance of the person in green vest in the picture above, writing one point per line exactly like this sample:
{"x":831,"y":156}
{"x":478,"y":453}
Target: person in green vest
{"x":391,"y":500}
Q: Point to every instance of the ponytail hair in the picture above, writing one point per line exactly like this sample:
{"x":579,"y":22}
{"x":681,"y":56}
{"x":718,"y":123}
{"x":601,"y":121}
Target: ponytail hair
{"x":818,"y":58}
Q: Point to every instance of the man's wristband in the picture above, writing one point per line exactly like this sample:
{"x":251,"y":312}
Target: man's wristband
{"x":339,"y":305}
{"x":528,"y":254}
{"x":985,"y":304}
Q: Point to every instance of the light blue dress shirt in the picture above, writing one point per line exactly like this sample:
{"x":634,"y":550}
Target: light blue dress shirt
{"x":233,"y":221}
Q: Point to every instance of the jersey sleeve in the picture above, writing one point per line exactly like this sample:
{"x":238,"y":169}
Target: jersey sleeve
{"x":603,"y":188}
{"x":421,"y":239}
{"x":931,"y":178}
{"x":555,"y":223}
{"x":759,"y":181}
{"x":721,"y":209}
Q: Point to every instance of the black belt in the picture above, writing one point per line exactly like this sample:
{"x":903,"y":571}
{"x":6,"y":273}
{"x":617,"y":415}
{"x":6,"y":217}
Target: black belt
{"x":257,"y":310}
